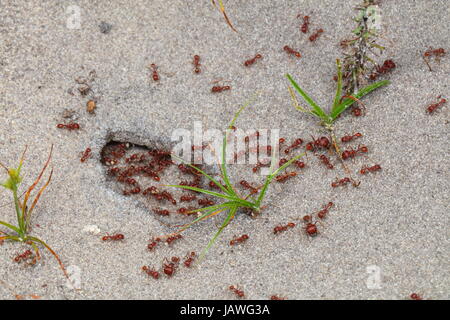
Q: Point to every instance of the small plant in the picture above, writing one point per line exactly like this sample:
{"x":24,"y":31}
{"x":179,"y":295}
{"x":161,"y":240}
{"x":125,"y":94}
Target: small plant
{"x":24,"y":212}
{"x":341,"y":103}
{"x":359,"y":61}
{"x":222,"y":9}
{"x":232,"y":200}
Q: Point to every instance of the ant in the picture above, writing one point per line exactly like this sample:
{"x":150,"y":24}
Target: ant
{"x":236,"y":291}
{"x":240,"y":239}
{"x":115,"y":237}
{"x":249,"y":62}
{"x":326,"y":161}
{"x":86,"y":155}
{"x":216,"y":89}
{"x":432,"y":107}
{"x":151,"y":272}
{"x":300,"y":164}
{"x":23,"y":256}
{"x":151,"y":246}
{"x":285,"y":177}
{"x":352,"y":153}
{"x":132,"y":191}
{"x":387,"y":66}
{"x":322,"y":213}
{"x":340,"y":182}
{"x":305,"y":25}
{"x":311,"y":229}
{"x":415,"y":296}
{"x":294,"y":145}
{"x":291,"y":51}
{"x":206,"y":202}
{"x":281,"y":228}
{"x":196,"y":64}
{"x":349,"y":138}
{"x":161,"y":212}
{"x":71,"y":126}
{"x":247,"y":185}
{"x":366,"y":169}
{"x":91,"y":105}
{"x":189,"y":259}
{"x":315,"y":35}
{"x":154,"y":72}
{"x":282,"y":140}
{"x":357,"y":111}
{"x":188,"y":198}
{"x":169,"y":267}
{"x":275,"y":297}
{"x":173,"y":238}
{"x":437,"y":53}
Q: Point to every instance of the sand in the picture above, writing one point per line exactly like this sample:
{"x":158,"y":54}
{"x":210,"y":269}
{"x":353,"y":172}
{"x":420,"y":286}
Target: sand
{"x":394,"y":224}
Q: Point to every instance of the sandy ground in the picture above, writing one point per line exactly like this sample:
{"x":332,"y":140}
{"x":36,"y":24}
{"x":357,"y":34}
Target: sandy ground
{"x":394,"y":224}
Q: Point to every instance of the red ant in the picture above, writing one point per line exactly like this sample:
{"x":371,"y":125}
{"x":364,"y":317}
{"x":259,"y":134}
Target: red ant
{"x":189,"y":259}
{"x":188,"y":198}
{"x":352,"y":153}
{"x":249,"y":62}
{"x":240,"y":239}
{"x":86,"y":155}
{"x":291,"y":51}
{"x":216,"y":89}
{"x":151,"y":246}
{"x":322,"y":142}
{"x":280,"y":228}
{"x":275,"y":297}
{"x":349,"y":138}
{"x":437,"y":53}
{"x":154,"y":274}
{"x":154,"y":72}
{"x":315,"y":35}
{"x":305,"y":25}
{"x":282,"y":140}
{"x":247,"y":185}
{"x":259,"y":165}
{"x":196,"y":63}
{"x":206,"y":202}
{"x":161,"y":212}
{"x":322,"y":213}
{"x":415,"y":296}
{"x":173,"y":238}
{"x":115,"y":237}
{"x":340,"y":182}
{"x":236,"y":291}
{"x":285,"y":177}
{"x":169,"y":267}
{"x":23,"y":256}
{"x":432,"y":107}
{"x":70,"y":126}
{"x":366,"y":169}
{"x":299,"y":164}
{"x":132,"y":191}
{"x":294,"y":145}
{"x":357,"y":111}
{"x":387,"y":66}
{"x":326,"y":161}
{"x":311,"y":229}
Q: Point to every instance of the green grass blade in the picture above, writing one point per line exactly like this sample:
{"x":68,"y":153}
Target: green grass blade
{"x":223,"y":167}
{"x":220,"y":208}
{"x":211,"y":193}
{"x":361,"y":93}
{"x":10,"y":226}
{"x":318,"y":111}
{"x":337,"y":98}
{"x":205,"y":174}
{"x":272,"y":175}
{"x":224,"y":224}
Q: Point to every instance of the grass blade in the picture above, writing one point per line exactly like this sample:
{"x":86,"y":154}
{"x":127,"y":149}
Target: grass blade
{"x":205,"y":174}
{"x":10,"y":226}
{"x":204,"y":216}
{"x":318,"y":111}
{"x":361,"y":93}
{"x":27,"y":215}
{"x":52,"y":252}
{"x":337,"y":98}
{"x":272,"y":175}
{"x":27,"y":194}
{"x":224,"y":224}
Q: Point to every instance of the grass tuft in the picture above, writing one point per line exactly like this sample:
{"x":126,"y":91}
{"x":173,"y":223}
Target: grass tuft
{"x":23,"y":212}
